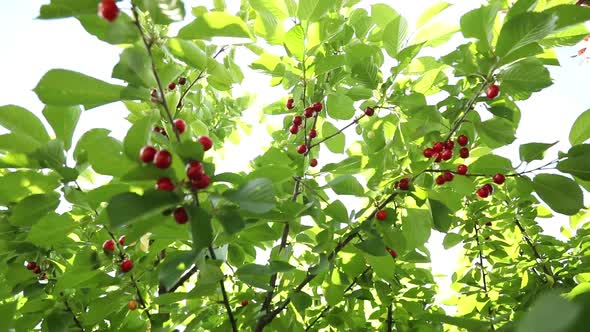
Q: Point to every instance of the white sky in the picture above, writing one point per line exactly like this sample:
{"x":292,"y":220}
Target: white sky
{"x":29,"y":48}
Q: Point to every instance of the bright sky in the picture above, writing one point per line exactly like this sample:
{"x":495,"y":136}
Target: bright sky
{"x":31,"y":47}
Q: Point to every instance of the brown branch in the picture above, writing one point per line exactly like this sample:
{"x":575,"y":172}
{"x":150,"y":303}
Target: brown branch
{"x":185,"y":277}
{"x":76,"y":320}
{"x":390,"y":317}
{"x":267,"y":318}
{"x":148,"y":47}
{"x":230,"y":314}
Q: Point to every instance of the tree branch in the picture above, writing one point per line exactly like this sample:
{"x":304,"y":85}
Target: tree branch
{"x":185,"y":277}
{"x":483,"y":272}
{"x":76,"y":320}
{"x":530,"y":243}
{"x":148,"y":47}
{"x":390,"y":317}
{"x":336,"y":133}
{"x":230,"y":314}
{"x":469,"y":107}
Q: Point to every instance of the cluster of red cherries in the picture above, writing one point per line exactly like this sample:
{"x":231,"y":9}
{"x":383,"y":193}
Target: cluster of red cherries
{"x":32,"y":266}
{"x":194,"y":169}
{"x":309,"y":112}
{"x":109,"y":247}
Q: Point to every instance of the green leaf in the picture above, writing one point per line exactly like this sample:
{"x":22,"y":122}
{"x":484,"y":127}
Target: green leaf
{"x":51,"y":230}
{"x":578,"y":166}
{"x":340,"y":107}
{"x":347,"y":185}
{"x":201,"y":229}
{"x":523,"y":78}
{"x":128,"y":208}
{"x":337,"y":211}
{"x":313,"y":10}
{"x":416,"y":227}
{"x":18,"y":143}
{"x":295,"y":43}
{"x":569,"y":15}
{"x":256,"y":196}
{"x":451,"y":240}
{"x":491,"y":164}
{"x":74,"y":279}
{"x":7,"y":315}
{"x":580,"y":131}
{"x":62,"y":87}
{"x":190,"y":150}
{"x":496,"y":132}
{"x":63,"y":120}
{"x":57,"y":321}
{"x":231,"y":220}
{"x":524,"y":29}
{"x":137,"y":137}
{"x":467,"y":324}
{"x":429,"y":13}
{"x":394,"y":35}
{"x":135,"y":67}
{"x":121,"y":31}
{"x":28,"y":211}
{"x":544,"y":310}
{"x":104,"y":153}
{"x":215,"y":24}
{"x":20,"y":121}
{"x":521,"y":6}
{"x":164,"y":11}
{"x":336,"y":143}
{"x":562,"y":194}
{"x":61,"y":8}
{"x":441,"y":215}
{"x":374,"y":246}
{"x":479,"y":23}
{"x":188,"y":52}
{"x":534,"y":151}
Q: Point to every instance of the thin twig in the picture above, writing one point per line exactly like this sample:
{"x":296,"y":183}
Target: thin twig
{"x":483,"y":273}
{"x":530,"y":243}
{"x":148,"y":47}
{"x":76,"y":320}
{"x":468,"y":108}
{"x":185,"y":277}
{"x":390,"y":317}
{"x":337,"y":132}
{"x":230,"y":314}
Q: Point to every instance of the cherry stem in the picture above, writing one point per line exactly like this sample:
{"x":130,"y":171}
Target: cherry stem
{"x":148,"y":47}
{"x":199,"y":77}
{"x":230,"y":314}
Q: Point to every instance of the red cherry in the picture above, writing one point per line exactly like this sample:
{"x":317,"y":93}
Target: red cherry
{"x":448,"y":176}
{"x":461,"y":169}
{"x":126,"y":265}
{"x":147,"y":154}
{"x":108,"y":10}
{"x":438,"y":157}
{"x":294,"y":129}
{"x":163,"y":159}
{"x":462,"y":140}
{"x":369,"y":111}
{"x":489,"y":188}
{"x":160,"y":130}
{"x":499,"y":178}
{"x":244,"y":303}
{"x":438,"y":146}
{"x":428,"y":152}
{"x":201,"y":182}
{"x":122,"y":240}
{"x":194,"y":169}
{"x":309,"y":112}
{"x":313,"y":133}
{"x":290,"y":102}
{"x":404,"y":184}
{"x":482,"y":193}
{"x":171,"y":85}
{"x":180,"y":125}
{"x":492,"y":91}
{"x":165,"y":184}
{"x":447,"y":154}
{"x":317,"y":106}
{"x":449,"y":145}
{"x":181,"y":216}
{"x":297,"y":120}
{"x":302,"y":149}
{"x":440,"y":180}
{"x":108,"y":246}
{"x":31,"y":265}
{"x":182,"y":80}
{"x":464,"y":153}
{"x":391,"y":252}
{"x":206,"y":142}
{"x":381,"y":215}
{"x":313,"y":162}
{"x":37,"y":269}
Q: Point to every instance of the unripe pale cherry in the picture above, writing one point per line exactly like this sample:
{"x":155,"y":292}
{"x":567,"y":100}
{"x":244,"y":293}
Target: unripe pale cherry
{"x":206,"y":142}
{"x":132,"y":305}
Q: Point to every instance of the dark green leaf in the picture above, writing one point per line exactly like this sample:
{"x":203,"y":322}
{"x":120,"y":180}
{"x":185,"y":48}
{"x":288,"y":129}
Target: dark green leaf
{"x":28,"y":211}
{"x":534,"y":151}
{"x":374,"y":247}
{"x":51,"y":230}
{"x":562,"y":194}
{"x":137,"y":137}
{"x":340,"y":107}
{"x":496,"y":132}
{"x":128,"y":208}
{"x":479,"y":23}
{"x":578,"y":166}
{"x":523,"y":78}
{"x":201,"y":229}
{"x":256,"y":196}
{"x":523,"y":30}
{"x":63,"y":120}
{"x":336,"y":143}
{"x":231,"y":220}
{"x":346,"y":185}
{"x":580,"y":131}
{"x":215,"y":24}
{"x":20,"y":121}
{"x":121,"y":31}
